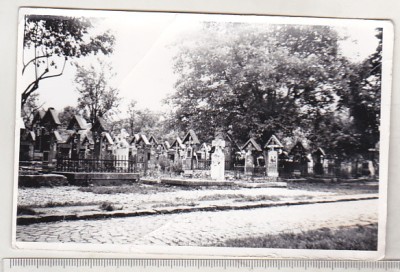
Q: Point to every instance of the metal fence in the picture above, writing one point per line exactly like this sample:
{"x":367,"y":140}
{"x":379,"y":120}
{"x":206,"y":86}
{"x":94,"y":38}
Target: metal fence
{"x":206,"y":165}
{"x":257,"y":171}
{"x":202,"y":165}
{"x":113,"y":165}
{"x":30,"y":166}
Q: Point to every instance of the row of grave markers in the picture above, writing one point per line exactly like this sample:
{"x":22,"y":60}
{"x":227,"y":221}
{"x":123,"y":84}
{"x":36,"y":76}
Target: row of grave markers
{"x":82,"y":141}
{"x":218,"y":157}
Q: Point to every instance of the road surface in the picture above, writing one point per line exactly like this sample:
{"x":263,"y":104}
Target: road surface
{"x":203,"y":228}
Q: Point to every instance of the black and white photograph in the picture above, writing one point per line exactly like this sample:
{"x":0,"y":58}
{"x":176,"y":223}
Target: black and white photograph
{"x":204,"y":134}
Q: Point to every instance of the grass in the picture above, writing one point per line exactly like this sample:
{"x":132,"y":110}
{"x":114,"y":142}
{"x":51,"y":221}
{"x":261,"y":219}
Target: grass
{"x":53,"y":204}
{"x":126,"y":189}
{"x":174,"y":204}
{"x":138,"y":188}
{"x":342,"y":187}
{"x":347,"y":238}
{"x":239,"y":197}
{"x":258,"y":198}
{"x":303,"y":197}
{"x":25,"y":210}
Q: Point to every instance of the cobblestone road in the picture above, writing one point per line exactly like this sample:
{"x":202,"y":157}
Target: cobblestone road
{"x":203,"y":228}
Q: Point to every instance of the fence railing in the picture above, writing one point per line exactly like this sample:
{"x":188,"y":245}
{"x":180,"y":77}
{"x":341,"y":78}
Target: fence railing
{"x":125,"y":165}
{"x":30,"y":166}
{"x":202,"y":165}
{"x":256,"y":171}
{"x":31,"y":163}
{"x":100,"y":165}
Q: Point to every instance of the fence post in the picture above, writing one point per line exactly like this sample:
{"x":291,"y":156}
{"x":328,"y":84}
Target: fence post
{"x":146,"y":160}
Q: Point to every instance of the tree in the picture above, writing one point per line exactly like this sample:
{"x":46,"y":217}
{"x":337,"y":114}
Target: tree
{"x":51,"y":41}
{"x":132,"y":116}
{"x":144,"y":121}
{"x":147,"y":122}
{"x":363,"y":99}
{"x":255,"y":80}
{"x":30,"y":108}
{"x":67,"y":114}
{"x":97,"y":98}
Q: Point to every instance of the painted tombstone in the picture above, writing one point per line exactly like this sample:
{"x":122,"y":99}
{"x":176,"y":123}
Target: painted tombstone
{"x":99,"y":133}
{"x":318,"y":158}
{"x":272,"y":163}
{"x":27,"y":143}
{"x":133,"y":148}
{"x":154,"y":152}
{"x":121,"y":150}
{"x":248,"y":160}
{"x":143,"y":152}
{"x":300,"y":160}
{"x":192,"y":144}
{"x":75,"y":140}
{"x":252,"y":149}
{"x":176,"y":151}
{"x":273,"y":146}
{"x":50,"y":135}
{"x":218,"y":160}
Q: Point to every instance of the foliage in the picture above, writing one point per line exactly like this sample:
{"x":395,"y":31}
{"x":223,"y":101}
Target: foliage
{"x":107,"y":206}
{"x":97,"y":98}
{"x":25,"y":210}
{"x":131,"y":116}
{"x":67,"y":114}
{"x":245,"y":77}
{"x":258,"y":80}
{"x":147,"y":122}
{"x":350,"y":238}
{"x":50,"y":41}
{"x":55,"y":204}
{"x":135,"y":188}
{"x":240,"y":197}
{"x":341,"y":187}
{"x":363,"y":99}
{"x":177,"y":167}
{"x":30,"y":108}
{"x":164,"y":163}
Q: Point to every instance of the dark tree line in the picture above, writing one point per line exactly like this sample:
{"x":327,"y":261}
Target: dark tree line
{"x":258,"y":80}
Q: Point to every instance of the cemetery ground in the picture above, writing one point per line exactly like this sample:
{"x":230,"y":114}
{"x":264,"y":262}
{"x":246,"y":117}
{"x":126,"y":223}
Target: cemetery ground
{"x":305,"y":214}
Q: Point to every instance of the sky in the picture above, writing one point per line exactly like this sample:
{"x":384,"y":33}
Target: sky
{"x":143,"y":54}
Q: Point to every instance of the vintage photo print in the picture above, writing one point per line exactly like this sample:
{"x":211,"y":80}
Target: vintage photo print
{"x":202,"y":135}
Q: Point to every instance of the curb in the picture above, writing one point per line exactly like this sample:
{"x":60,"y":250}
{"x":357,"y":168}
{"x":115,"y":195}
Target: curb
{"x":31,"y":219}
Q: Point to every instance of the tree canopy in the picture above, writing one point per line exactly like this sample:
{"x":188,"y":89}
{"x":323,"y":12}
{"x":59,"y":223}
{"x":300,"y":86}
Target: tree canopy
{"x":258,"y":80}
{"x":50,"y":41}
{"x":30,"y":108}
{"x":145,"y":121}
{"x":66,"y":115}
{"x":97,"y":98}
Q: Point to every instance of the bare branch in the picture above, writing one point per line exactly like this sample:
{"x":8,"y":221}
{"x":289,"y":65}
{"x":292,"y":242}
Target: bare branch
{"x":59,"y":74}
{"x":27,"y":89}
{"x":32,"y":60}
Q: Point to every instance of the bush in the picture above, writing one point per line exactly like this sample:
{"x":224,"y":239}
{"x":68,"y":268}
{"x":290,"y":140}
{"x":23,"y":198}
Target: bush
{"x":177,"y":167}
{"x":107,"y":206}
{"x":53,"y":204}
{"x":164,"y":163}
{"x":24,"y":210}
